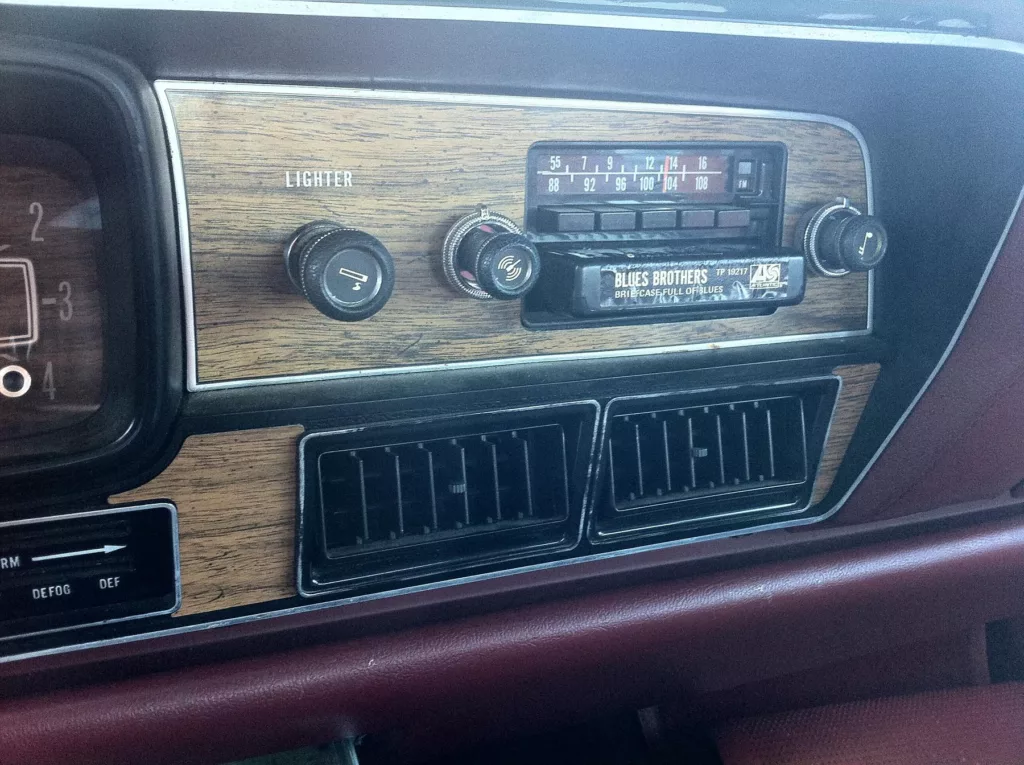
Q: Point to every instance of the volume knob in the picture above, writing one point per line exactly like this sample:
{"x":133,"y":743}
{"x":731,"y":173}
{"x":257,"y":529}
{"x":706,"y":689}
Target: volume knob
{"x":346,"y":274}
{"x":838,"y":238}
{"x":486,"y":255}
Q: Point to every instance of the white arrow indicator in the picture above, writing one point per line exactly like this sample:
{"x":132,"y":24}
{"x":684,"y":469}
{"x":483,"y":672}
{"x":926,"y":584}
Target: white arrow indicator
{"x":106,"y":550}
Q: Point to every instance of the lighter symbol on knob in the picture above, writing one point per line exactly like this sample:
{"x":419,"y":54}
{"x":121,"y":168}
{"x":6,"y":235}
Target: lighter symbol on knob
{"x":355,"y":276}
{"x":345,"y":273}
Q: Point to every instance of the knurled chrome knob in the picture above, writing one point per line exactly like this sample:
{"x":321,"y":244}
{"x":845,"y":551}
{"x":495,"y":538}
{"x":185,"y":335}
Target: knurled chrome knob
{"x":486,"y":255}
{"x":837,"y":238}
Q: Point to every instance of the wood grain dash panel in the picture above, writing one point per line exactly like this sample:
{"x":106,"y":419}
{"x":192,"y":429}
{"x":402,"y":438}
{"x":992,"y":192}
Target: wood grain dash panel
{"x":416,"y":167}
{"x":236,"y":498}
{"x":235,"y":494}
{"x":858,"y":382}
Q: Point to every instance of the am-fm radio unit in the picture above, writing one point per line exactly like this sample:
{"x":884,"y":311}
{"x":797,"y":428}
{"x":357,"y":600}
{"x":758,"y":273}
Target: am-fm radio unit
{"x":641,"y":233}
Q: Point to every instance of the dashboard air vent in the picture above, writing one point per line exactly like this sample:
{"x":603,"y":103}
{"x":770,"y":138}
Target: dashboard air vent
{"x":402,"y":504}
{"x":675,"y":464}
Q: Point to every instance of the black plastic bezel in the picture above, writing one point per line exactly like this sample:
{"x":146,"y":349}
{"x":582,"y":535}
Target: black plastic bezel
{"x":105,"y":109}
{"x":663,"y":524}
{"x":154,"y":525}
{"x":771,"y":192}
{"x":317,"y":576}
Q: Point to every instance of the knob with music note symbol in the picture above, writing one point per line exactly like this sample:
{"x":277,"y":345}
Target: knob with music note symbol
{"x":838,"y":238}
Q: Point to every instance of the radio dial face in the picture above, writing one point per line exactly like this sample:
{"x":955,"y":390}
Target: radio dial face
{"x":630,"y":233}
{"x":633,"y":172}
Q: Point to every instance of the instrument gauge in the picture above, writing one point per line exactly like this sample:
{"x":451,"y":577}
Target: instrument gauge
{"x":51,"y":308}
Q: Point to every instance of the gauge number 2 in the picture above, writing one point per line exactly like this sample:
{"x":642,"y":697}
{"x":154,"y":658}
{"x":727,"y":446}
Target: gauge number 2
{"x":36,"y":209}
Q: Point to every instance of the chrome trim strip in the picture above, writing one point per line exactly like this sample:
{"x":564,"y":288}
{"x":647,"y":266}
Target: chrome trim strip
{"x":183,"y":232}
{"x":600,"y":20}
{"x":92,"y":514}
{"x":625,"y":353}
{"x":163,"y":87}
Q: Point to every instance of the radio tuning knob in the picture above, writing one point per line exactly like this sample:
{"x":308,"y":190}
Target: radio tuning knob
{"x":346,"y":274}
{"x":486,"y":255}
{"x":838,"y":238}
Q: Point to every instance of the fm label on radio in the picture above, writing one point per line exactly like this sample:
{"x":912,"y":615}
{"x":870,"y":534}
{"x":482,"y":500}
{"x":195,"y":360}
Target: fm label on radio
{"x":306,"y":179}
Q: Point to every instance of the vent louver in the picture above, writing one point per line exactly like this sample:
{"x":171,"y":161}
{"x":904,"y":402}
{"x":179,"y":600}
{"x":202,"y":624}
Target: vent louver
{"x":675,"y":464}
{"x":407,"y":503}
{"x":404,"y":493}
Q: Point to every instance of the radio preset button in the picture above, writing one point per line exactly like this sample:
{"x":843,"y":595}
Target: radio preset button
{"x":654,"y":220}
{"x":745,"y":167}
{"x":616,"y":220}
{"x":733,"y":218}
{"x":565,"y":220}
{"x":697,"y":219}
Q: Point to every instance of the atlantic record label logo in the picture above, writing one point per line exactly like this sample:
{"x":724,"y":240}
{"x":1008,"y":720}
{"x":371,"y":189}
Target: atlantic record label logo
{"x":766,"y":276}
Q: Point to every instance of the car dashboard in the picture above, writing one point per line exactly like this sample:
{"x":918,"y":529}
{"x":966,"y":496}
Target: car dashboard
{"x":370,"y":368}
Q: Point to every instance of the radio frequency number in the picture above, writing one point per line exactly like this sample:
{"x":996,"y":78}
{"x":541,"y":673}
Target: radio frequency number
{"x":632,"y":171}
